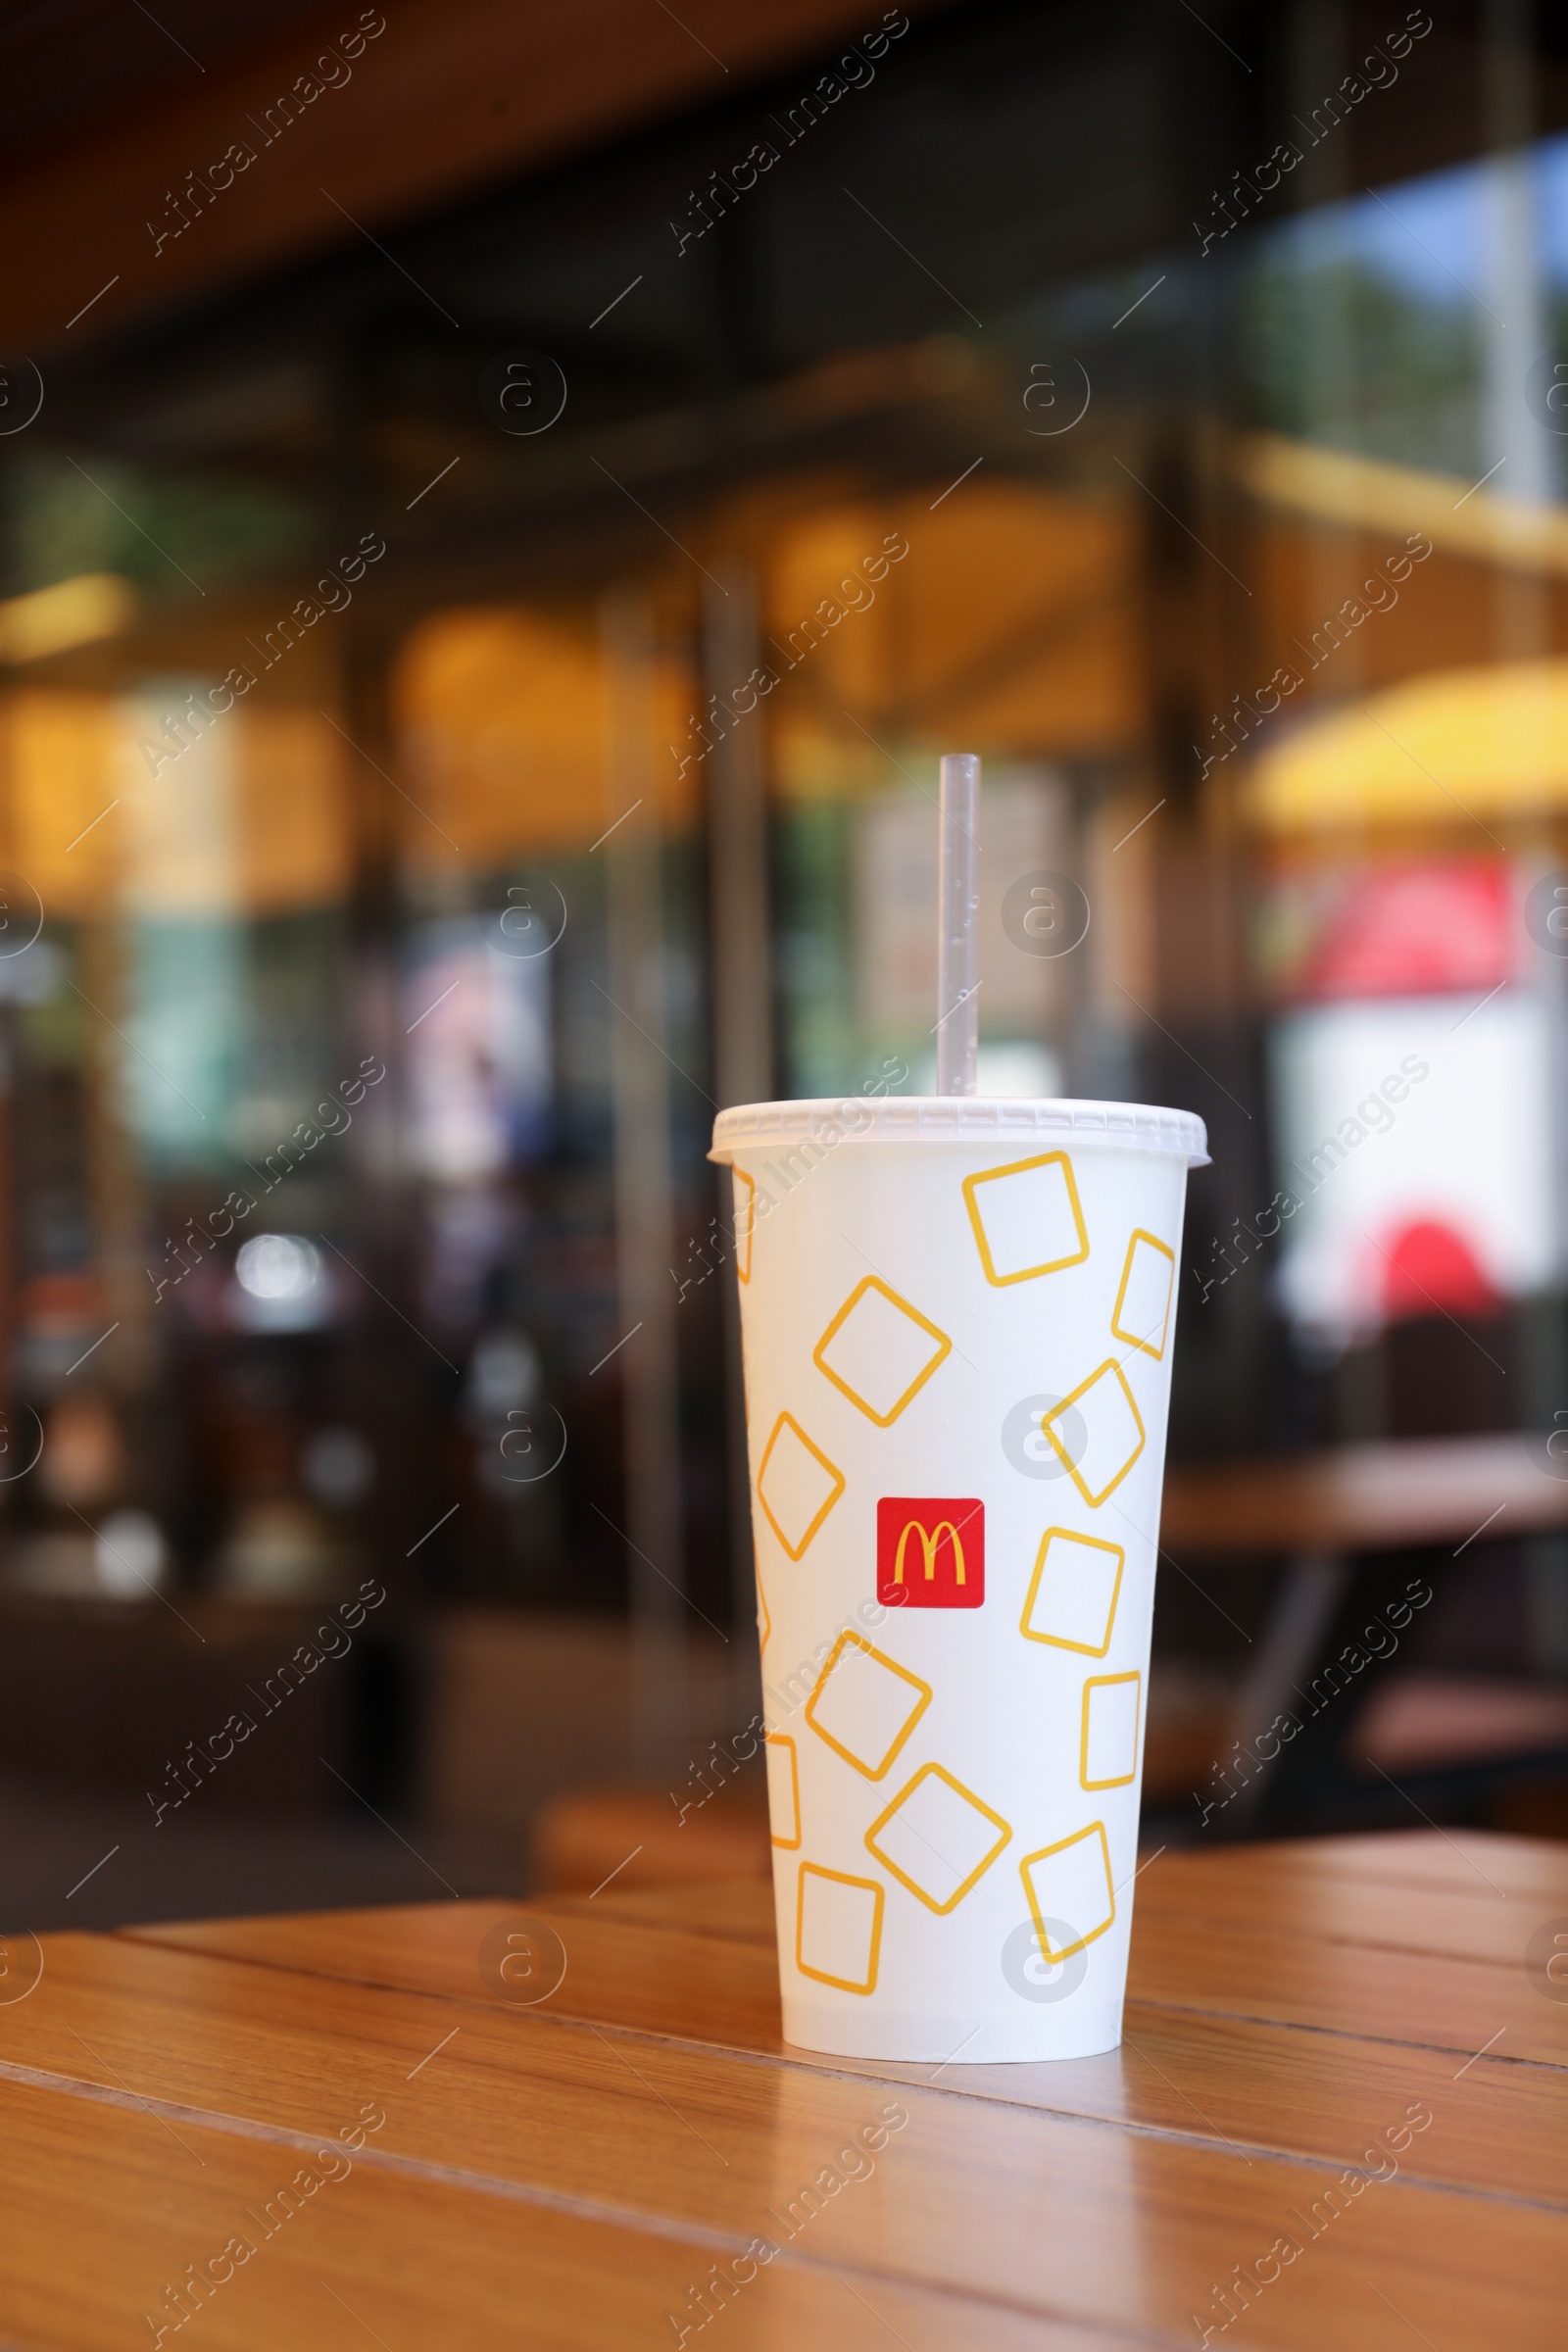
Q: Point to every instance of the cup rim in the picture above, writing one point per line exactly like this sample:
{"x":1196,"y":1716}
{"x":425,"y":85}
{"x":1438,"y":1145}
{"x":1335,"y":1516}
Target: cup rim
{"x":961,"y":1118}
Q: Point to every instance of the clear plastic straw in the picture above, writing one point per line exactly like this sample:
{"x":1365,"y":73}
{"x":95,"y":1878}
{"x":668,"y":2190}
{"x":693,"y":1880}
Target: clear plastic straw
{"x":958,"y":961}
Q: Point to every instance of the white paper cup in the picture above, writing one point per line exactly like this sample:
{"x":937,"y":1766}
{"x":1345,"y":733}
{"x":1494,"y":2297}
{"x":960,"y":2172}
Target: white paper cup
{"x":957,"y":1323}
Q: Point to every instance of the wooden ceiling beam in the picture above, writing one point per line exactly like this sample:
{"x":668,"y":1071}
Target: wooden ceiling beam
{"x":413,"y":108}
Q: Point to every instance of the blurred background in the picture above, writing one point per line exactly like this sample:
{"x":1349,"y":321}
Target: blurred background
{"x":499,"y":514}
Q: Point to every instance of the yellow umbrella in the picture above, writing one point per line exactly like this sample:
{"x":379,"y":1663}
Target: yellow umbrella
{"x":1438,"y":750}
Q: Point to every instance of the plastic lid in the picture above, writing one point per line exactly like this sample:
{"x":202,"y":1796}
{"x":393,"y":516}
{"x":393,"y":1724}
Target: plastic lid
{"x":961,"y":1118}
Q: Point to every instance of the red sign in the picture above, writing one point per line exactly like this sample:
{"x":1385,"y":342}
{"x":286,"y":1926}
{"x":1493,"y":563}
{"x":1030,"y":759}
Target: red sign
{"x":1418,"y":930}
{"x":930,"y":1551}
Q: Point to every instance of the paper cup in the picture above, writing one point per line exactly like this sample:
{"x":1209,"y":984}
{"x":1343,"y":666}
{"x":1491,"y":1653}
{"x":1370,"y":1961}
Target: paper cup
{"x":957,"y":1323}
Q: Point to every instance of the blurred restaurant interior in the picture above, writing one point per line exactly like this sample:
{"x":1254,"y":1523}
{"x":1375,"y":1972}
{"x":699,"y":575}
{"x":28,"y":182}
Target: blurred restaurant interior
{"x":479,"y":617}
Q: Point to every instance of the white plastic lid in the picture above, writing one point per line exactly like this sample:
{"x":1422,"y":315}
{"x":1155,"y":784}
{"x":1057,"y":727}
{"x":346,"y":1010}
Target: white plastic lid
{"x":961,"y":1118}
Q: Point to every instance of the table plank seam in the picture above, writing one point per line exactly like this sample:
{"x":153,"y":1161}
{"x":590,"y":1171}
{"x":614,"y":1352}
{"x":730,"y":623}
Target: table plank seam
{"x":255,"y":1960}
{"x":556,"y":1913}
{"x":1346,"y":1939}
{"x":1210,"y":2142}
{"x":1412,"y":1877}
{"x":789,"y":2056}
{"x":1154,"y":2010}
{"x":1389,"y":2042}
{"x":633,"y":2221}
{"x":1193,"y":1913}
{"x":1358,"y":1943}
{"x":554,"y":1909}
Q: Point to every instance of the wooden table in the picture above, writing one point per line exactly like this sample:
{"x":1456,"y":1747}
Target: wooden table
{"x":569,"y":2174}
{"x":1322,"y":1512}
{"x":1367,"y":1497}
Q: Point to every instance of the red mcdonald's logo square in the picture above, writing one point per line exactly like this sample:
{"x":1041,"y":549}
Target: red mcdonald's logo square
{"x":930,"y":1551}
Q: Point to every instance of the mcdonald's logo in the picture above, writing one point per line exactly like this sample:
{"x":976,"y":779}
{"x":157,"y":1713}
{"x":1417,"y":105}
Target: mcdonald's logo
{"x":930,"y":1551}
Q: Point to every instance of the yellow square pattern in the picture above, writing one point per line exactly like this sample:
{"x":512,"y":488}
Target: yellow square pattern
{"x":1114,"y":1432}
{"x":1073,"y":1593}
{"x":1030,"y":1206}
{"x":880,"y":1350}
{"x":864,"y":1707}
{"x":804,"y":1484}
{"x":838,"y":1928}
{"x":1142,"y":1313}
{"x":1107,"y":1746}
{"x":938,"y":1839}
{"x":783,"y":1789}
{"x":1069,"y":1889}
{"x":745,"y":1221}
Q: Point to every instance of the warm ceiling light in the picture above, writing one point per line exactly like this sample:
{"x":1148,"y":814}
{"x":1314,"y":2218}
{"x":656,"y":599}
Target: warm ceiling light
{"x":48,"y":620}
{"x":278,"y":1266}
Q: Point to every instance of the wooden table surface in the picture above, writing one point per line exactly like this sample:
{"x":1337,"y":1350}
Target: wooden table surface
{"x":1366,"y":1497}
{"x":1300,"y":2065}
